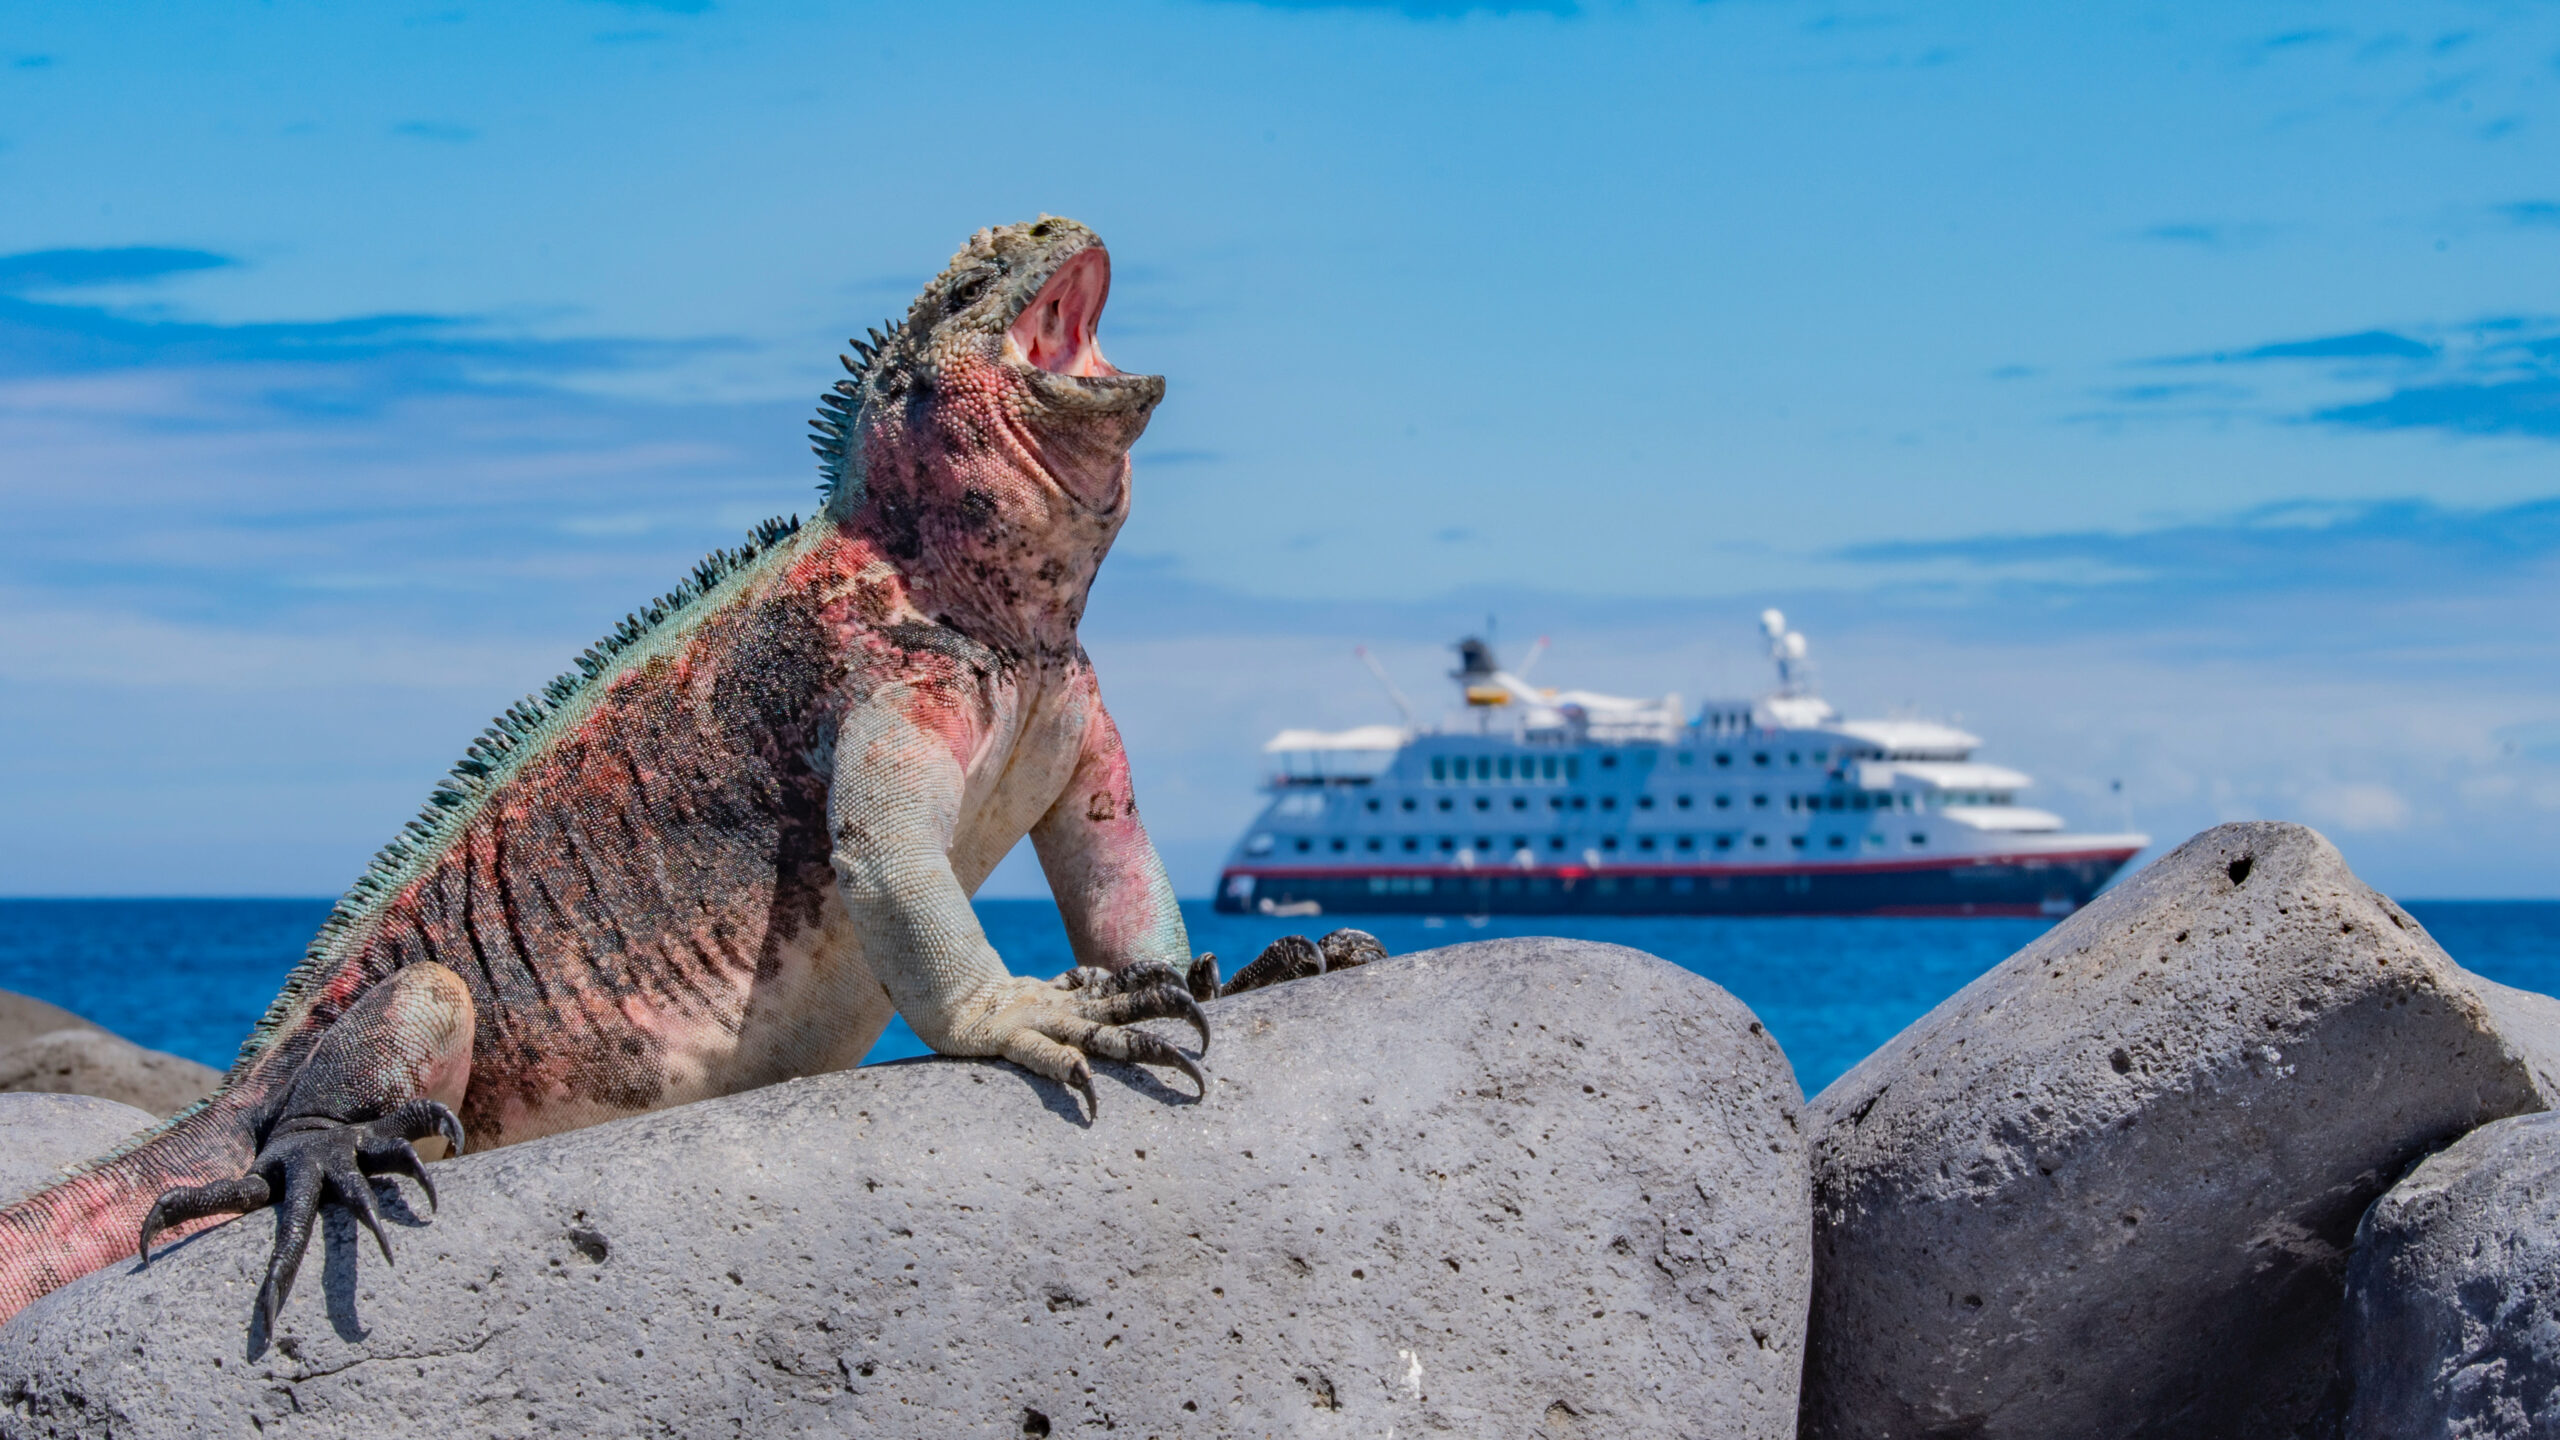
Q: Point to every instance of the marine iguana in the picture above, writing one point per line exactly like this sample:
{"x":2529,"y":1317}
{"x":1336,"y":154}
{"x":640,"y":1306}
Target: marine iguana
{"x":746,"y":827}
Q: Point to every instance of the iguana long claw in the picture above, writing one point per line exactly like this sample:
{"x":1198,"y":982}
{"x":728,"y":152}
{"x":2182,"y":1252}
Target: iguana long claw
{"x":196,"y":1202}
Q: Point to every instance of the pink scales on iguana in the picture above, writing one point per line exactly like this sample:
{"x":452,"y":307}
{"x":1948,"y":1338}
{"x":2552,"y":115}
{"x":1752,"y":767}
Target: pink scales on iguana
{"x":746,"y":828}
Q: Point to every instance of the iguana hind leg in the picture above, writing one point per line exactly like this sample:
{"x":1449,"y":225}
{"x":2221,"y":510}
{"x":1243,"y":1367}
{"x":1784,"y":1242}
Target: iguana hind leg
{"x":386,"y":1074}
{"x":1295,"y":957}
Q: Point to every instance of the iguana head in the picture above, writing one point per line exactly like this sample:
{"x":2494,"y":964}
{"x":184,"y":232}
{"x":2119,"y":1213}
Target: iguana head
{"x":996,"y":360}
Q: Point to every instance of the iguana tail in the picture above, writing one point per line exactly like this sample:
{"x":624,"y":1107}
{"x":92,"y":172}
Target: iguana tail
{"x":94,"y":1217}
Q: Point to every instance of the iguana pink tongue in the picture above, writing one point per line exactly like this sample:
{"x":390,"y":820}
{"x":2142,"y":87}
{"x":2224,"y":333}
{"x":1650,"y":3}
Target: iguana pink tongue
{"x":1055,"y":331}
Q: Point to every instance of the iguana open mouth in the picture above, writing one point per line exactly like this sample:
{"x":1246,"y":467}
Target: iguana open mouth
{"x":1055,"y":332}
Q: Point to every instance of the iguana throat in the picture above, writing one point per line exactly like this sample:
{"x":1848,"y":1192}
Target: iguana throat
{"x":983,"y":443}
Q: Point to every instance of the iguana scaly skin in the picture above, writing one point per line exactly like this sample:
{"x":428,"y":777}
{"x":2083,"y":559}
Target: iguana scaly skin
{"x":746,"y":828}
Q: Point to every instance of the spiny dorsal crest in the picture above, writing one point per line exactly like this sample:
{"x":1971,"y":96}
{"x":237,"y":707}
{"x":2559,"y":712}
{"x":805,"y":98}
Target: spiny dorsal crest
{"x":484,"y":763}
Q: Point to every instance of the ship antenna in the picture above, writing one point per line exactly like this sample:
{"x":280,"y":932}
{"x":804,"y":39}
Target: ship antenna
{"x":1532,"y":662}
{"x":1403,"y":706}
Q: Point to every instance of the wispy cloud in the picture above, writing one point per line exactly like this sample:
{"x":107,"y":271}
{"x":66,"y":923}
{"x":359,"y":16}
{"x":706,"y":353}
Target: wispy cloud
{"x":2494,"y":376}
{"x":48,"y":337}
{"x":1429,"y":9}
{"x":2207,"y":236}
{"x":441,"y":131}
{"x":69,"y":269}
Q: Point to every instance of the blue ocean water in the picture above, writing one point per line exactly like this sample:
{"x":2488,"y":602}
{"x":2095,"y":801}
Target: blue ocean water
{"x":191,"y":976}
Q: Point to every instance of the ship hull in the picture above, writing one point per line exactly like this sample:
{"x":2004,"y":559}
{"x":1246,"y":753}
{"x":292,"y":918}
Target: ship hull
{"x":2051,"y":884}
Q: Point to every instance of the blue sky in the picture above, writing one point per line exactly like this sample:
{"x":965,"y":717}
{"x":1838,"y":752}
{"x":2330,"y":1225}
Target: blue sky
{"x":2172,"y":392}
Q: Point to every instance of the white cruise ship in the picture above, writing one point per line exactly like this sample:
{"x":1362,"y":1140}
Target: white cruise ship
{"x":1546,"y":802}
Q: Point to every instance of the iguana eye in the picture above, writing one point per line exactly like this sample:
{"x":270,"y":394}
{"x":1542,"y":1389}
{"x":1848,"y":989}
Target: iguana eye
{"x":965,"y":293}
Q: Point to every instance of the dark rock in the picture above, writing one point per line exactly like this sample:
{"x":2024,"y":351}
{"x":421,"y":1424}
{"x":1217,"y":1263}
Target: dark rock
{"x":2108,"y":1188}
{"x":40,"y":1134}
{"x":2453,"y":1297}
{"x":89,"y":1061}
{"x":1508,"y":1188}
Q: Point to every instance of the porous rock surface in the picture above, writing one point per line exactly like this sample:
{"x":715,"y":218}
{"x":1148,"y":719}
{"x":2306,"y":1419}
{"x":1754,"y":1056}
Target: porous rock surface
{"x":2108,"y":1189}
{"x":2453,"y":1297}
{"x":40,"y":1134}
{"x":1509,"y":1188}
{"x":90,"y":1061}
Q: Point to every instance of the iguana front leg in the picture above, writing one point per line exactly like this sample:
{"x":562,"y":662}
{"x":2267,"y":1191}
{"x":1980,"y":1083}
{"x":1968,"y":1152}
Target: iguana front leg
{"x":1109,"y":883}
{"x":894,"y":810}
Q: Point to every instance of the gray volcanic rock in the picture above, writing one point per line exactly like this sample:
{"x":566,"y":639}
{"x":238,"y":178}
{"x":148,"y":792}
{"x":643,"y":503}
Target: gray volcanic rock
{"x":88,"y":1061}
{"x":40,"y":1134}
{"x":1513,"y":1188}
{"x":24,"y":1017}
{"x":2108,"y":1188}
{"x":2453,"y":1297}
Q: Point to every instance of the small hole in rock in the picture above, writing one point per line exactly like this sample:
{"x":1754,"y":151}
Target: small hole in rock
{"x":1034,"y":1423}
{"x":2239,"y":870}
{"x":2122,"y":1061}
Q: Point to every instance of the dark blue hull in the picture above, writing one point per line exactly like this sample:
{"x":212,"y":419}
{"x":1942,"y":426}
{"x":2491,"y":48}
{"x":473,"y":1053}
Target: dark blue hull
{"x":1985,"y":885}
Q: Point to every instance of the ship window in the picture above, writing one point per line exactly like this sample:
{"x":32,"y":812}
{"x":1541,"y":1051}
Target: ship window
{"x":1410,"y":803}
{"x":1759,"y":802}
{"x":1759,"y":757}
{"x":1608,"y":802}
{"x":1581,"y":802}
{"x":1547,"y":767}
{"x":1484,"y":802}
{"x":1796,"y":840}
{"x":1645,"y":843}
{"x":1555,"y":802}
{"x":1682,"y":802}
{"x":1258,"y":845}
{"x":1447,"y":844}
{"x":1502,"y":768}
{"x":1759,"y":842}
{"x":1839,"y":842}
{"x":1439,"y":767}
{"x":1724,"y":802}
{"x":1448,"y":804}
{"x":1859,"y":801}
{"x":1794,"y":801}
{"x":1919,"y":838}
{"x":1411,"y":844}
{"x":1373,"y":805}
{"x":1686,"y":757}
{"x":1305,"y":845}
{"x":1644,"y":802}
{"x":1687,"y":842}
{"x":1484,"y":767}
{"x":1572,"y":767}
{"x":1376,"y":844}
{"x":1839,"y":802}
{"x":1519,"y":842}
{"x":1820,"y":755}
{"x":1555,"y":842}
{"x":1340,"y":844}
{"x":1608,"y":762}
{"x":1874,"y":841}
{"x":1723,"y":758}
{"x":1794,"y":759}
{"x":1608,"y":842}
{"x":1519,"y":802}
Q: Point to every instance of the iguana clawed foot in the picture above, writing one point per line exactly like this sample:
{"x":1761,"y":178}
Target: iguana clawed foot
{"x":1295,"y":957}
{"x":305,"y":1161}
{"x":1049,"y":1027}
